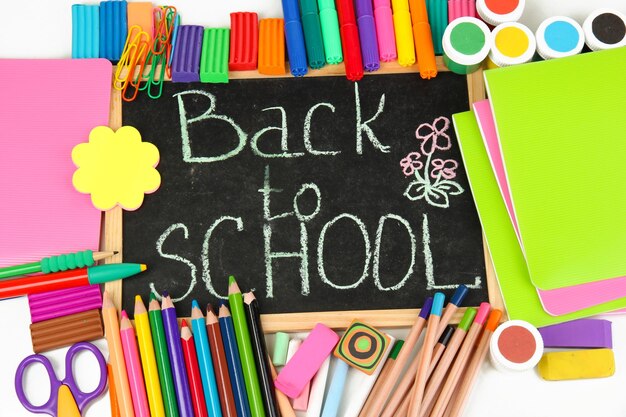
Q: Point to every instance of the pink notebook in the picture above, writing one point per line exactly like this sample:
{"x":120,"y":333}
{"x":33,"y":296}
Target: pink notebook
{"x":561,"y":300}
{"x":46,"y":108}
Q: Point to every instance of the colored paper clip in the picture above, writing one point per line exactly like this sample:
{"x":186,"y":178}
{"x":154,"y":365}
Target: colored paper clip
{"x":134,"y":81}
{"x":127,"y":60}
{"x":173,"y":43}
{"x":158,"y":65}
{"x":164,"y":18}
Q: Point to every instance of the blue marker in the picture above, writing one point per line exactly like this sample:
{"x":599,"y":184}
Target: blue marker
{"x":295,"y":38}
{"x":558,"y":37}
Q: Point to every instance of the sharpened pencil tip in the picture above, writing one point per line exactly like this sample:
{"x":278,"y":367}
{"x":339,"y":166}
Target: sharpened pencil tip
{"x":143,"y":267}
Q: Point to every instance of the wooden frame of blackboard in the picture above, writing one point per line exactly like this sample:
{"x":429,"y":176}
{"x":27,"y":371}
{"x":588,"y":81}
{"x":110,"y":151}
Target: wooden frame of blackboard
{"x":112,"y":238}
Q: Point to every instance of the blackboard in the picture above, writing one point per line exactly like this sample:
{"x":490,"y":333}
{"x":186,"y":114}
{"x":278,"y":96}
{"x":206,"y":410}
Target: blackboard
{"x":310,"y":191}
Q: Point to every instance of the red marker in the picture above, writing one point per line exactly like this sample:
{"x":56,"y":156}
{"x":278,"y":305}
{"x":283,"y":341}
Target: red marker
{"x":350,"y":40}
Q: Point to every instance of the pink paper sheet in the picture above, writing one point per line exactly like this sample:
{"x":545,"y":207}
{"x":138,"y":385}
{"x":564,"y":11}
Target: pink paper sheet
{"x":46,"y":108}
{"x":561,"y":300}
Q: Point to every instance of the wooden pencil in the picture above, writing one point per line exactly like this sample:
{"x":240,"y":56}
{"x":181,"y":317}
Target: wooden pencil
{"x":220,"y":365}
{"x":465,"y":387}
{"x":384,"y":374}
{"x":116,"y":356}
{"x":162,"y":356}
{"x":436,"y":380}
{"x":253,"y":317}
{"x":426,"y":354}
{"x":244,"y":344}
{"x":174,"y":348}
{"x":284,"y":405}
{"x":234,"y":362}
{"x":380,"y":399}
{"x":461,"y":361}
{"x":115,"y":408}
{"x":193,"y":371}
{"x":148,"y":359}
{"x":133,"y":367}
{"x":452,"y":307}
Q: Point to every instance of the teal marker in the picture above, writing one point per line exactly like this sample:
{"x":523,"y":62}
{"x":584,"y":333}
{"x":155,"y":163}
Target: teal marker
{"x":312,"y":33}
{"x":330,"y":31}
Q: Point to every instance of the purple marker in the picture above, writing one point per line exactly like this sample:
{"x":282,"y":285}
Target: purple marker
{"x":367,"y":35}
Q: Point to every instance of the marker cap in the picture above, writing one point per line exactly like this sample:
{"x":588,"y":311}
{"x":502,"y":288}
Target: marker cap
{"x":605,"y":29}
{"x":513,"y":43}
{"x":558,"y":37}
{"x":495,"y":12}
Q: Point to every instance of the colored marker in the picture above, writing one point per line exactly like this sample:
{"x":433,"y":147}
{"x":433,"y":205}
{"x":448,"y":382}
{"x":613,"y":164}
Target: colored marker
{"x":244,"y":344}
{"x":423,"y":38}
{"x":605,"y":29}
{"x":404,"y":34}
{"x":162,"y":357}
{"x":426,"y":354}
{"x":148,"y":359}
{"x":209,"y":383}
{"x":294,"y":36}
{"x":558,"y":37}
{"x":193,"y":371}
{"x":174,"y":348}
{"x":350,"y":40}
{"x":466,"y":43}
{"x":68,"y":279}
{"x":234,"y":362}
{"x":312,"y":33}
{"x":56,"y":263}
{"x":133,"y":368}
{"x":367,"y":35}
{"x":383,"y":17}
{"x":330,"y":31}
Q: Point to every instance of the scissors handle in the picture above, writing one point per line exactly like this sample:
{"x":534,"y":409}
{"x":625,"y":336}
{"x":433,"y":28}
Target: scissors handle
{"x":50,"y":406}
{"x":83,"y":398}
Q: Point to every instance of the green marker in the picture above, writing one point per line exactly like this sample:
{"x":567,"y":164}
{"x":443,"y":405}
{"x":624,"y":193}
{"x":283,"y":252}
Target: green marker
{"x":162,"y":358}
{"x":214,"y":58}
{"x":466,"y":43}
{"x":312,"y":33}
{"x":242,"y":335}
{"x":56,"y":263}
{"x":330,"y":31}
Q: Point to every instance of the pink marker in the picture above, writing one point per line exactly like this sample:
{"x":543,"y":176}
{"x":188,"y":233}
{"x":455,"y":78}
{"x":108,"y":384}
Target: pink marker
{"x":306,"y":361}
{"x":384,"y":30}
{"x":133,"y":367}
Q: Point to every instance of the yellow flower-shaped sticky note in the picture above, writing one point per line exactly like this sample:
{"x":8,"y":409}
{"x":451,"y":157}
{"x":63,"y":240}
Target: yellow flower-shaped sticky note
{"x":116,"y":168}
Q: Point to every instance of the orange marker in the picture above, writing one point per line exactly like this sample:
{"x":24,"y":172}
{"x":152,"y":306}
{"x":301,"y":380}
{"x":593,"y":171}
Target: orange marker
{"x":272,"y":47}
{"x":423,"y":39}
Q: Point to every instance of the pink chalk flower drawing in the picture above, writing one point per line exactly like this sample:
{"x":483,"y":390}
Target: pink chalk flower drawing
{"x":433,"y":178}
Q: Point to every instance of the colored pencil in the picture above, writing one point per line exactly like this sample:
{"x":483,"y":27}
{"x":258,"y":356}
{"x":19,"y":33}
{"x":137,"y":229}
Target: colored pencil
{"x":244,"y":344}
{"x":460,"y":362}
{"x":281,"y":399}
{"x":177,"y":361}
{"x":405,"y":353}
{"x":162,"y":358}
{"x":452,"y":307}
{"x":209,"y":383}
{"x":234,"y":362}
{"x":434,"y":384}
{"x":115,"y":409}
{"x":384,"y":374}
{"x":148,"y":360}
{"x":67,"y":279}
{"x":193,"y":371}
{"x":426,"y":354}
{"x":56,"y":263}
{"x":133,"y":367}
{"x":116,"y":356}
{"x":464,"y":390}
{"x":253,"y":316}
{"x":220,"y":365}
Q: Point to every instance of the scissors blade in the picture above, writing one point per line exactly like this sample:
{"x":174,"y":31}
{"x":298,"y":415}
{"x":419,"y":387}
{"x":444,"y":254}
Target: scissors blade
{"x":66,"y":403}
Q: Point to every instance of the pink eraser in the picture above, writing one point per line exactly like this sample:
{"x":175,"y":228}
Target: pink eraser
{"x":482,"y":313}
{"x":307,"y":361}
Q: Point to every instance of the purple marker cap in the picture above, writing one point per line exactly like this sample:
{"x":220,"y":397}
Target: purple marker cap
{"x":459,"y":295}
{"x":483,"y":312}
{"x":425,"y":311}
{"x":367,"y":35}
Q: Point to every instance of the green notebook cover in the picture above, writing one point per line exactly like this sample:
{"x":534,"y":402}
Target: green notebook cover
{"x":520,"y":296}
{"x":562,"y":130}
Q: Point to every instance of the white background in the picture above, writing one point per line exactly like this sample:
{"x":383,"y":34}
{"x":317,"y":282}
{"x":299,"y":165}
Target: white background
{"x":42,"y":29}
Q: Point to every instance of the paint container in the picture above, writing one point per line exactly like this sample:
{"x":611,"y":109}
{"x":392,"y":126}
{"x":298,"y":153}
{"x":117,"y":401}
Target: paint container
{"x":515,"y":346}
{"x":605,"y":29}
{"x":558,"y":37}
{"x":496,"y":12}
{"x":466,"y":44}
{"x":513,"y":43}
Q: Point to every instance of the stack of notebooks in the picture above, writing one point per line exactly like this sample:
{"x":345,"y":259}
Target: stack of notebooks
{"x":546,"y":160}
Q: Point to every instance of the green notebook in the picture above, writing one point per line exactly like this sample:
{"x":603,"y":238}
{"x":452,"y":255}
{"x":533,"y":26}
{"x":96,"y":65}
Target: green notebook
{"x":562,"y":130}
{"x":520,"y":296}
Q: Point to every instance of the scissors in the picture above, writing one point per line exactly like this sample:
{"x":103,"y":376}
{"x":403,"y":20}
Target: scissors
{"x":66,"y":398}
